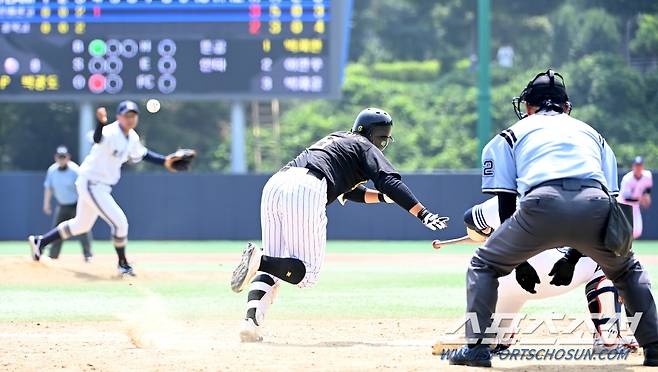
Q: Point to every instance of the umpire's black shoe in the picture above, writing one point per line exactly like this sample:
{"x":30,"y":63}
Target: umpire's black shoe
{"x":651,"y":355}
{"x":477,"y":356}
{"x":500,"y":348}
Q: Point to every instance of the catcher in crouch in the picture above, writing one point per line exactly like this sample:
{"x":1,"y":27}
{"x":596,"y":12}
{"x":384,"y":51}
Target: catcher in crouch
{"x":114,"y":144}
{"x":549,"y":274}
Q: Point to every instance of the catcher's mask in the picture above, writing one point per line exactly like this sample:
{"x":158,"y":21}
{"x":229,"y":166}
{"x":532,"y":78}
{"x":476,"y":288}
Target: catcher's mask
{"x":546,"y":91}
{"x":376,"y":125}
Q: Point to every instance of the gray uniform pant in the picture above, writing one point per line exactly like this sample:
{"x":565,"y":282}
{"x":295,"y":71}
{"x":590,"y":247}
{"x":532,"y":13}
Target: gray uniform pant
{"x":64,"y":213}
{"x":548,"y":217}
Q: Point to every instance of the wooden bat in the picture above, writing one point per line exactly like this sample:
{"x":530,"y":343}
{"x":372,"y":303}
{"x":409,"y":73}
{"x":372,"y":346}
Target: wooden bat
{"x":438,"y":244}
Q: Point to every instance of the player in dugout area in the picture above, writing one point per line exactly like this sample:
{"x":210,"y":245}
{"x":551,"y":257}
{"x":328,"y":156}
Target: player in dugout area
{"x":114,"y":144}
{"x":60,"y":184}
{"x":293,"y":210}
{"x":635,"y":190}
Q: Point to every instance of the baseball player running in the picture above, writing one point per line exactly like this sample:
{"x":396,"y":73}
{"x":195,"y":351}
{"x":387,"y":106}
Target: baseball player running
{"x":563,"y":170}
{"x":114,"y":144}
{"x":293,"y":205}
{"x":549,"y":274}
{"x":635,"y":191}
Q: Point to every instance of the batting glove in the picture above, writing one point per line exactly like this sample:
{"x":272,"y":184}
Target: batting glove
{"x":432,"y":221}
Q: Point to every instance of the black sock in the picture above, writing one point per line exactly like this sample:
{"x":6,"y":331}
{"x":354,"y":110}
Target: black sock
{"x":291,"y":270}
{"x":257,"y":295}
{"x":50,"y":237}
{"x":121,"y":252}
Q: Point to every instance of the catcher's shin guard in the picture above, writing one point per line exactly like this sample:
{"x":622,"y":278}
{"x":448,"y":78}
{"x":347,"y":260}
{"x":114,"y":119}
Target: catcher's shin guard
{"x":603,"y":303}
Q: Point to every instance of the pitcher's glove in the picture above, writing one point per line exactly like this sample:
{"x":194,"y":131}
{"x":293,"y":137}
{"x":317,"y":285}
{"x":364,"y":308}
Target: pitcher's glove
{"x":179,"y":160}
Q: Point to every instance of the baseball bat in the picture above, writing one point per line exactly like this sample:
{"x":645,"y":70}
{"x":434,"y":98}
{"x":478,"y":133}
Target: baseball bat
{"x":438,"y":244}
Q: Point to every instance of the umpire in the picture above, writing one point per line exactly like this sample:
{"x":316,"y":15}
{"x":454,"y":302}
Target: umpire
{"x":60,"y":182}
{"x":562,"y":169}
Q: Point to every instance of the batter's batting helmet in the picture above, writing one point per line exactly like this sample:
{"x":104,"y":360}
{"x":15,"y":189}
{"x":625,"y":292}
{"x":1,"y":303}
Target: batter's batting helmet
{"x":374,"y":124}
{"x":546,"y":91}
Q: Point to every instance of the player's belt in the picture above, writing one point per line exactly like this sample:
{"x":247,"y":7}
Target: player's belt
{"x":311,"y":172}
{"x":569,"y":184}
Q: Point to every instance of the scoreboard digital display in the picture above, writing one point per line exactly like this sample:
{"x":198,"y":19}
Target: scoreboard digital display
{"x":179,"y":49}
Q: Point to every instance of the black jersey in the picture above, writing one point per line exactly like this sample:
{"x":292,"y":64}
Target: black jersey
{"x":346,"y":160}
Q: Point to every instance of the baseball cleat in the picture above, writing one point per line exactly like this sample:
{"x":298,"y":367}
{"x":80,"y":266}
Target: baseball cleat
{"x":477,"y":356}
{"x":125,"y":270}
{"x":623,"y":343}
{"x":249,"y":331}
{"x":247,"y":269}
{"x":35,"y":246}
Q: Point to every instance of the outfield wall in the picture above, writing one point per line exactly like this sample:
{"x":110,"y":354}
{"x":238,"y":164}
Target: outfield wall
{"x":210,"y":206}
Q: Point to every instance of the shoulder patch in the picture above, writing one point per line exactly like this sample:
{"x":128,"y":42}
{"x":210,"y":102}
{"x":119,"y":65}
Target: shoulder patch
{"x":509,"y":136}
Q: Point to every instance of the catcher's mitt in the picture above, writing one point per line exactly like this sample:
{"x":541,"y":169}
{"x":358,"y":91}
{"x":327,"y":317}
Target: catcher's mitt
{"x":180,"y":160}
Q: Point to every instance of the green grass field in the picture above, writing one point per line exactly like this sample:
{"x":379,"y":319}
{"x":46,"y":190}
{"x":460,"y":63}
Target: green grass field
{"x":369,"y":280}
{"x":378,"y":305}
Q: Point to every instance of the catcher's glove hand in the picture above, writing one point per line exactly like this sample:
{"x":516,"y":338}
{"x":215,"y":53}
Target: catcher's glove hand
{"x":179,"y":160}
{"x":478,"y":235}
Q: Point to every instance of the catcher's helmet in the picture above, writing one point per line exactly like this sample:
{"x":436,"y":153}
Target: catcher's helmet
{"x":546,"y":91}
{"x":374,"y":124}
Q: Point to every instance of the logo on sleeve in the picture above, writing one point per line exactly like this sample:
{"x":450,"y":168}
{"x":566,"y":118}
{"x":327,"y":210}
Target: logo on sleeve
{"x":488,"y":168}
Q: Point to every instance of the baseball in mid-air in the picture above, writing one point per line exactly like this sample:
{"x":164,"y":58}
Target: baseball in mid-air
{"x":152,"y":106}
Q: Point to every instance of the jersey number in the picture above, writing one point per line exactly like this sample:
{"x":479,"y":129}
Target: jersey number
{"x":488,"y":168}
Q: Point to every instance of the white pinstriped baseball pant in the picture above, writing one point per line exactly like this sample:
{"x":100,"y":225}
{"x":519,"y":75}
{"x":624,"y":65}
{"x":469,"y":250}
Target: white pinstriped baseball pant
{"x":294,"y":221}
{"x":95,"y":200}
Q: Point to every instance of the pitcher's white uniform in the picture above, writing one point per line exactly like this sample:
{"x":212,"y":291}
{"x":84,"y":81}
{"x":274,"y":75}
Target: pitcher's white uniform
{"x":631,"y":191}
{"x":101,"y":170}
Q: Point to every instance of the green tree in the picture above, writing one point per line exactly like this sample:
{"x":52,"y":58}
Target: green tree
{"x":645,"y":41}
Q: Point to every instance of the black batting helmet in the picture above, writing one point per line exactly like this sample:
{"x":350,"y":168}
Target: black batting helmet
{"x":374,"y":124}
{"x":546,"y":91}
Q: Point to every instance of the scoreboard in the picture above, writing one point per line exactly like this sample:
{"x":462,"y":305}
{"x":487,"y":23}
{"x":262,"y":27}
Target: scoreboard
{"x":179,"y":49}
